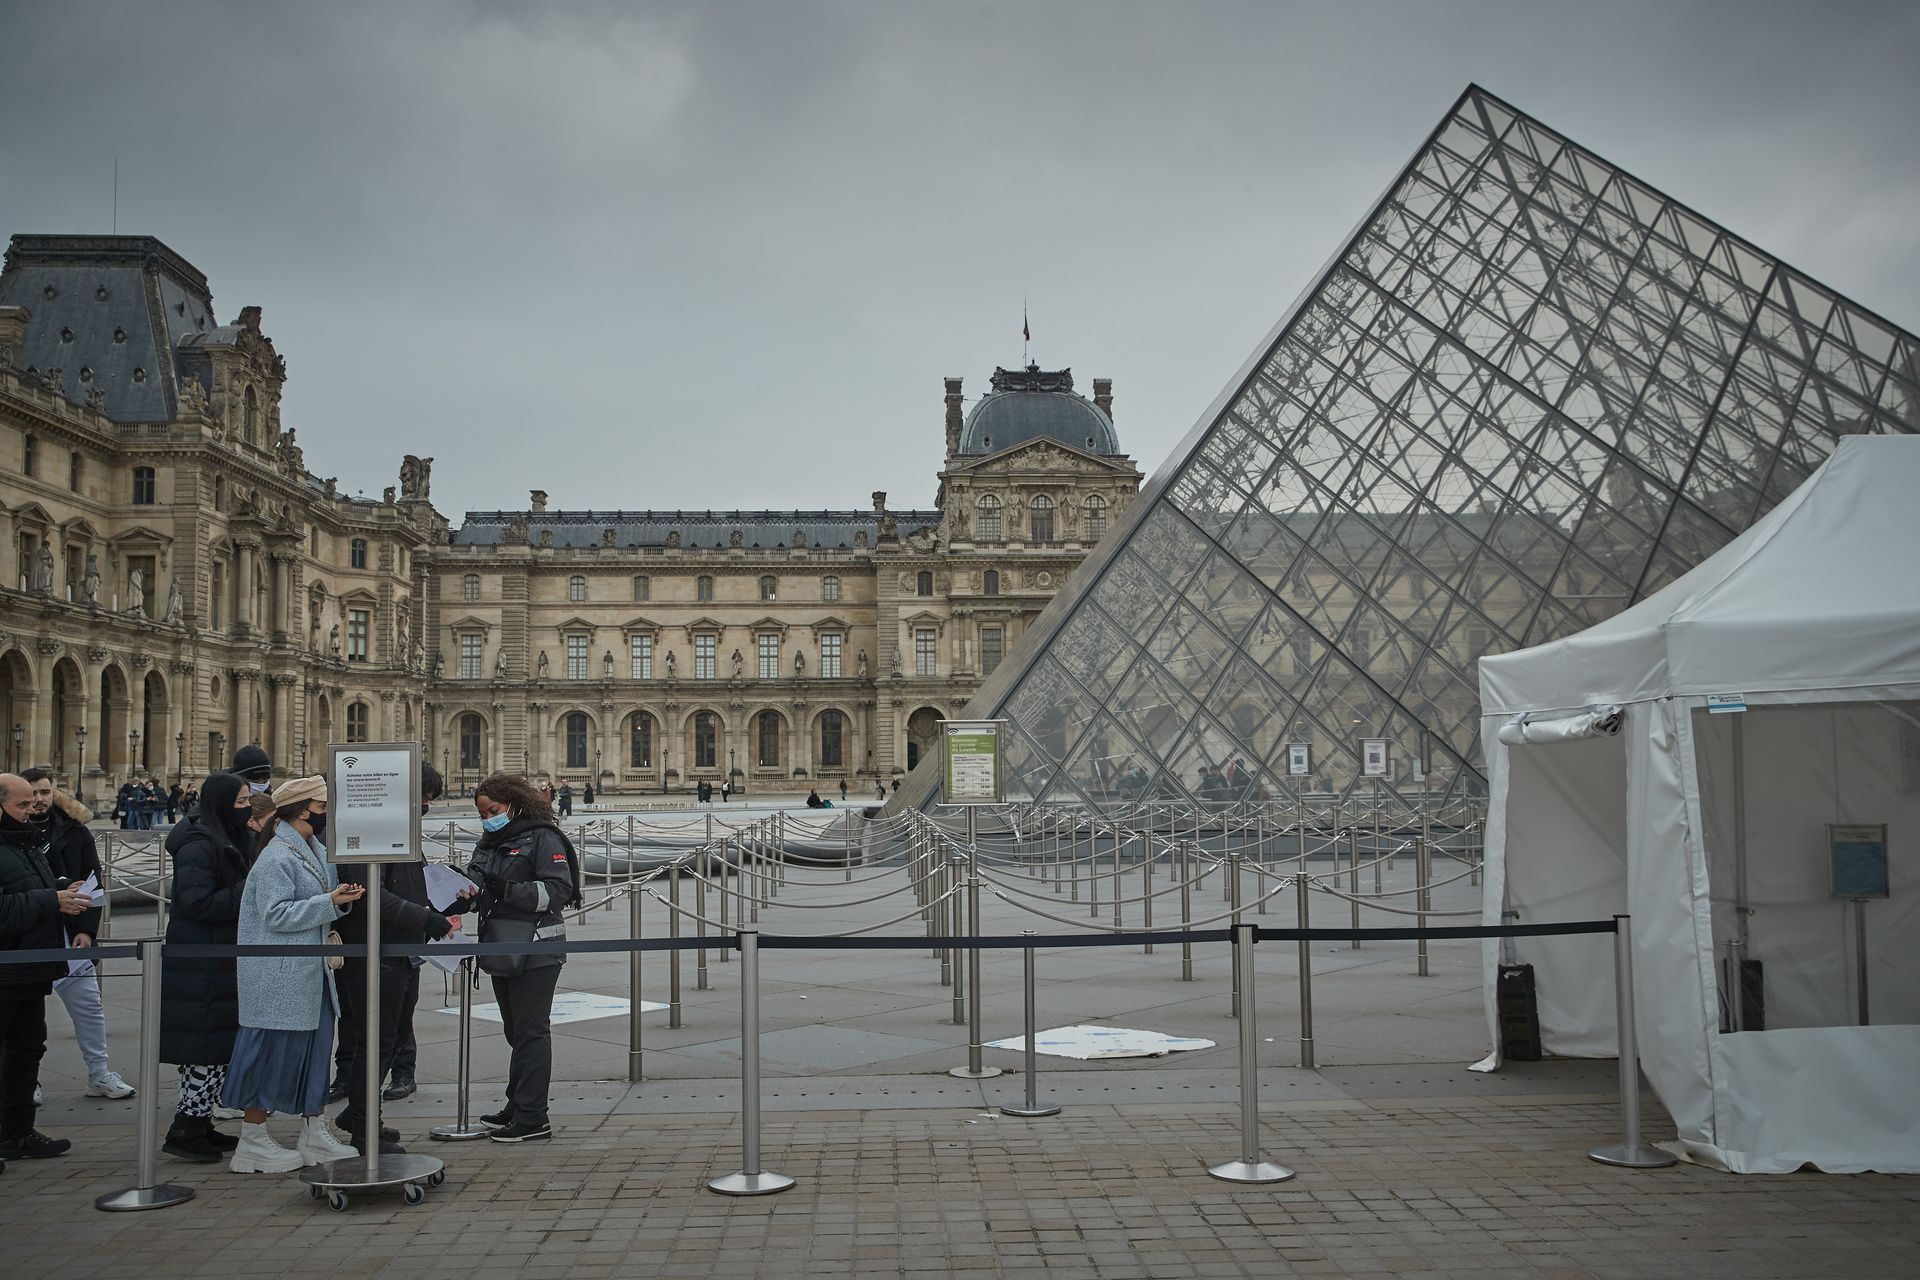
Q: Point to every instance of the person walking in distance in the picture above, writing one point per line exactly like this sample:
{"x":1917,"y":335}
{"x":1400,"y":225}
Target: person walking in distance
{"x":287,"y":1003}
{"x":200,"y":998}
{"x":73,"y":857}
{"x":525,"y":873}
{"x":566,"y":799}
{"x":37,"y":912}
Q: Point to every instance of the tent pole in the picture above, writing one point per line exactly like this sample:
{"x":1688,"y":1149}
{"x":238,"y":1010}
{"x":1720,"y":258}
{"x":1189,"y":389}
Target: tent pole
{"x":1737,"y":949}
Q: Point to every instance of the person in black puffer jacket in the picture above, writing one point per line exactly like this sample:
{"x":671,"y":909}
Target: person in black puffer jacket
{"x":406,"y":916}
{"x":526,"y":873}
{"x":200,"y":999}
{"x":37,"y":912}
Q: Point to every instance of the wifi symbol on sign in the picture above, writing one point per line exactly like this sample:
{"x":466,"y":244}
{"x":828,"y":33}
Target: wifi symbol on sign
{"x":350,"y":761}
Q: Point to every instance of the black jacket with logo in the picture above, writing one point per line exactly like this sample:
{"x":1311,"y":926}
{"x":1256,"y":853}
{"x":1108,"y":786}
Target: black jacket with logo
{"x":526,"y":872}
{"x":30,"y":918}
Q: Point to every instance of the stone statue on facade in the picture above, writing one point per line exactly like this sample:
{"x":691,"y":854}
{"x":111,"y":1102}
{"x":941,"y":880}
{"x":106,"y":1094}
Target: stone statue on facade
{"x":176,"y":607}
{"x":439,"y":664}
{"x":333,"y":640}
{"x":860,"y":666}
{"x":895,"y":660}
{"x":500,"y":663}
{"x":669,"y":664}
{"x":799,"y":662}
{"x":415,"y":474}
{"x":542,"y":668}
{"x":736,"y":539}
{"x":739,"y":664}
{"x":289,"y":455}
{"x":136,"y":592}
{"x":43,"y":570}
{"x":90,"y":583}
{"x":606,"y":665}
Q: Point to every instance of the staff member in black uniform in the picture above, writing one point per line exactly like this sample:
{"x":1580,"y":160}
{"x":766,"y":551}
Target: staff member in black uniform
{"x":526,"y":873}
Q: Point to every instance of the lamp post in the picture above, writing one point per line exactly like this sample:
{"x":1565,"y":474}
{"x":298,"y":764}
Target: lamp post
{"x":663,"y":768}
{"x":180,"y":759}
{"x":219,"y":752}
{"x":133,"y":752}
{"x":80,"y":764}
{"x":19,"y":732}
{"x":302,"y":744}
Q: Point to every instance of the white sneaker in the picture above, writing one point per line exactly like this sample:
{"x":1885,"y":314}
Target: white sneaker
{"x":108,"y":1084}
{"x":318,"y":1143}
{"x":259,"y":1153}
{"x":228,"y":1113}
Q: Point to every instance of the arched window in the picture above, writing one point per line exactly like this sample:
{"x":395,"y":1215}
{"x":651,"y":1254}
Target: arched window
{"x":577,"y":588}
{"x":987,"y":522}
{"x":1094,"y":516}
{"x":357,"y":554}
{"x":706,"y":735}
{"x":642,"y":588}
{"x":357,"y":721}
{"x":829,"y":588}
{"x":575,"y":726}
{"x":250,"y":415}
{"x":472,"y":729}
{"x":990,"y":583}
{"x":923,"y":583}
{"x":833,"y":740}
{"x":1041,"y":512}
{"x":769,"y":587}
{"x":470,"y":587}
{"x":766,"y":737}
{"x":703,"y":587}
{"x":640,"y":741}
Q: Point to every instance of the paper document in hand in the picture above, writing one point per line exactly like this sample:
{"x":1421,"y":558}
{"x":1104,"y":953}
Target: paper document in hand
{"x":95,"y":894}
{"x":444,"y":885}
{"x":448,"y":963}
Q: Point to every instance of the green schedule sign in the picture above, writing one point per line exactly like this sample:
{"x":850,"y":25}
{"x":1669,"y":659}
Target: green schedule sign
{"x":972,"y":761}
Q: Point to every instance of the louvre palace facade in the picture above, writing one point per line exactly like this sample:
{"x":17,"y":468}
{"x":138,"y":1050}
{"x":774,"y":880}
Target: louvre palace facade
{"x":176,"y":583}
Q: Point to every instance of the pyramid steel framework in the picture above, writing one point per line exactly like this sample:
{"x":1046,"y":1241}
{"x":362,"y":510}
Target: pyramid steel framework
{"x":1529,"y":391}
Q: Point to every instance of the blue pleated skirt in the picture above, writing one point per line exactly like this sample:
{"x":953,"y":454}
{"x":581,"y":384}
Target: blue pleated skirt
{"x":283,"y":1071}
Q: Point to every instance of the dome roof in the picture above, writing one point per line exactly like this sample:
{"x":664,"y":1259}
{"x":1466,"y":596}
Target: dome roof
{"x":1028,"y":404}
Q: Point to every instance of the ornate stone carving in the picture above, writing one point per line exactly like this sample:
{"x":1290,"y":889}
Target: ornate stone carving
{"x":43,"y":570}
{"x":90,"y":582}
{"x":416,"y":475}
{"x":546,"y":537}
{"x":543,"y":666}
{"x":97,"y":654}
{"x":48,"y":648}
{"x":736,"y":539}
{"x":136,"y":592}
{"x":516,"y":531}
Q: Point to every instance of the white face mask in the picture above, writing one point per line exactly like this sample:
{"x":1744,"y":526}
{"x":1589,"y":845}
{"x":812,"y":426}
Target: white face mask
{"x":258,"y":788}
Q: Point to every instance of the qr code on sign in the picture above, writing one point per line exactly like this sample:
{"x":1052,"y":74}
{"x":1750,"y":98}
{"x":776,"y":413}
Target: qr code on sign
{"x":353,"y":842}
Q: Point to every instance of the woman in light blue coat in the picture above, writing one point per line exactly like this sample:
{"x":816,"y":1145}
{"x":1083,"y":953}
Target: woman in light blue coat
{"x":287,"y":1003}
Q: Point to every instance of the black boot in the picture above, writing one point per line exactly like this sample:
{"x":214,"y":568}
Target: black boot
{"x":187,"y":1138}
{"x":402,"y":1087}
{"x":224,"y":1143}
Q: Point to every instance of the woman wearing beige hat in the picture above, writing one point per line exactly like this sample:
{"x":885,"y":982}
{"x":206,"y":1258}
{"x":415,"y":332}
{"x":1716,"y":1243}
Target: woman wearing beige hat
{"x":287,"y":1003}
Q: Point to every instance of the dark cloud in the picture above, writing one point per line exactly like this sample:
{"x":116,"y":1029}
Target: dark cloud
{"x":724,"y":254}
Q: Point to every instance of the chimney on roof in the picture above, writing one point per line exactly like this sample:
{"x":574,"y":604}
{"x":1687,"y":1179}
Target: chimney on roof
{"x":539,"y":498}
{"x":1103,"y":396}
{"x":954,"y":422}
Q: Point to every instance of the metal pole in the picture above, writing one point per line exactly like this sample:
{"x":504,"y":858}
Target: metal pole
{"x":1233,"y":900}
{"x":1031,"y":1109}
{"x":1353,"y":879}
{"x":1303,"y":912}
{"x":147,"y":1193}
{"x":752,"y":1180}
{"x":634,"y":925}
{"x":160,"y":888}
{"x":1146,"y":893}
{"x":1186,"y":911}
{"x":673,"y":931}
{"x":1249,"y":1167}
{"x":370,"y":1047}
{"x":461,"y":1130}
{"x":1860,"y":956}
{"x":955,"y":927}
{"x":1632,"y":1153}
{"x":700,"y":929}
{"x":1423,"y":867}
{"x":1736,"y":984}
{"x":720,"y":886}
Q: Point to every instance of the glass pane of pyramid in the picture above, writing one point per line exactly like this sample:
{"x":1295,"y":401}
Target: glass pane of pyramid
{"x":1528,"y":392}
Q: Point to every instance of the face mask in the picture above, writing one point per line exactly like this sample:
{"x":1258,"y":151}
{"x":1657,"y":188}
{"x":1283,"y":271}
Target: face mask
{"x":318,"y":821}
{"x":258,"y":788}
{"x":496,"y":822}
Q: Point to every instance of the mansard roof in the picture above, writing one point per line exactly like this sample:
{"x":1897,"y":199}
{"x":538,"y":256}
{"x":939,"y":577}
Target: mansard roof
{"x":766,"y":530}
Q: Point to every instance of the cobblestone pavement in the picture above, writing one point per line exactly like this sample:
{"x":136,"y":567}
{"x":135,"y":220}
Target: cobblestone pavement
{"x":1408,"y":1189}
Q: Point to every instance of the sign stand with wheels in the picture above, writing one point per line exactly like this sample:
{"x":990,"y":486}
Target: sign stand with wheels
{"x":374,"y":790}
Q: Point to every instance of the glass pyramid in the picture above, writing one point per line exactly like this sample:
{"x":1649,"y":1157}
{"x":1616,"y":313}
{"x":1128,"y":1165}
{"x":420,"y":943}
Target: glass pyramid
{"x":1529,"y":391}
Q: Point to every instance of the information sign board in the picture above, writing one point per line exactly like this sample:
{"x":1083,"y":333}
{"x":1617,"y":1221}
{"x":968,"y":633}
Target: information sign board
{"x":374,"y":794}
{"x":1299,"y":759}
{"x":1373,"y":757}
{"x":972,"y":761}
{"x":1859,"y":857}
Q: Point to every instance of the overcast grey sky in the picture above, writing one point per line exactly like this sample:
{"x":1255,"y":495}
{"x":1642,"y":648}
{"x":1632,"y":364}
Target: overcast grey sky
{"x":692,"y":255}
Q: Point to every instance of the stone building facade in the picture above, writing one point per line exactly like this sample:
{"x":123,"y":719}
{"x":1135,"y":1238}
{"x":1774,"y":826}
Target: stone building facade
{"x":175,"y":582}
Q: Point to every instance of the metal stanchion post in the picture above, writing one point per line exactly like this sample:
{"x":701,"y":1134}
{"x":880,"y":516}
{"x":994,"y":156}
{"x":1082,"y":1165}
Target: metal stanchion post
{"x":1302,"y":910}
{"x":1249,"y":1167}
{"x":1031,"y":1108}
{"x":634,"y":1002}
{"x":148,"y":1192}
{"x":461,"y":1130}
{"x":1146,"y":894}
{"x":707,"y":860}
{"x":1233,"y":900}
{"x":975,"y":1068}
{"x":700,"y":929}
{"x":1423,"y":901}
{"x":1186,"y":911}
{"x":955,"y":926}
{"x":751,"y":1180}
{"x":1631,"y":1153}
{"x":160,"y":889}
{"x":673,"y":931}
{"x":1353,"y":880}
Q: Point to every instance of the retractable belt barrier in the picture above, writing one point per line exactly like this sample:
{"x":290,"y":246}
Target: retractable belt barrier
{"x":749,"y":941}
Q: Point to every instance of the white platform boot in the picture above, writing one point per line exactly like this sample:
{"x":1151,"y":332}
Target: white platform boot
{"x":259,"y":1153}
{"x":318,"y":1143}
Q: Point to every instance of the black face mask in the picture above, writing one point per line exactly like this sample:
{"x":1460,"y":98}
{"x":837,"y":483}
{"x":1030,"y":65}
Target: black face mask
{"x":318,"y":821}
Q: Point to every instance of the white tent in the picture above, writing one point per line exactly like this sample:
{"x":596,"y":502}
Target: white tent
{"x":1712,"y":826}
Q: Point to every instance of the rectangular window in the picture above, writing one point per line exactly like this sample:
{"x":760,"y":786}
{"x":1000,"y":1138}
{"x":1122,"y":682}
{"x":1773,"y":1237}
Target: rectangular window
{"x":833,"y":732}
{"x":993,"y":647}
{"x":576,"y":657}
{"x":769,"y":647}
{"x":924,"y":652}
{"x":216,"y":592}
{"x":358,"y":722}
{"x":829,"y":588}
{"x":704,"y":649}
{"x":703,"y":588}
{"x":830,"y":656}
{"x":142,"y":483}
{"x":359,"y":628}
{"x":640,"y":658}
{"x":357,"y":553}
{"x":470,"y":586}
{"x":471,"y":646}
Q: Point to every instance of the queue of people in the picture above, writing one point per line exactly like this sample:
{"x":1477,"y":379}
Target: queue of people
{"x":253,"y":1037}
